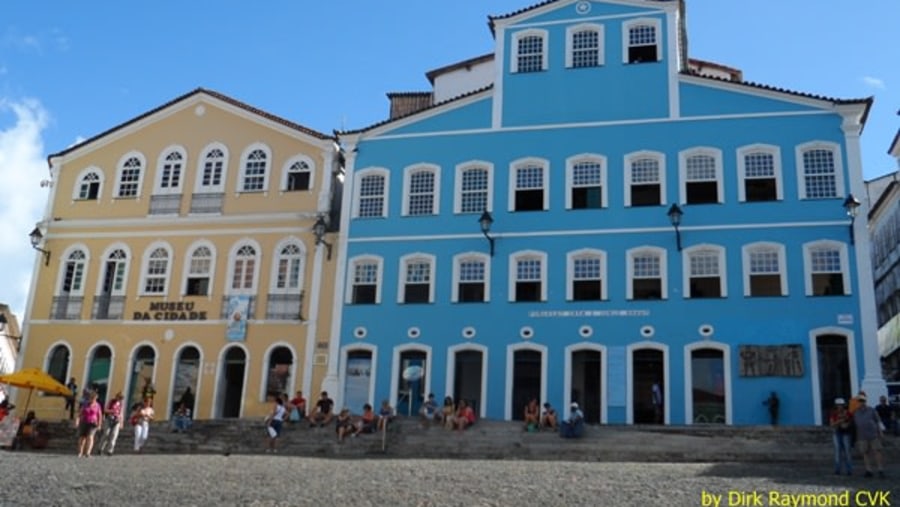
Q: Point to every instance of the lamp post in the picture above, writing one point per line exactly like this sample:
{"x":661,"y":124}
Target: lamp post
{"x":851,"y":204}
{"x":675,"y":215}
{"x":36,"y":238}
{"x":319,"y":229}
{"x":485,"y":222}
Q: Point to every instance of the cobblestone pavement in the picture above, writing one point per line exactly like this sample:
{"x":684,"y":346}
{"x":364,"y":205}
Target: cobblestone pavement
{"x":269,"y":480}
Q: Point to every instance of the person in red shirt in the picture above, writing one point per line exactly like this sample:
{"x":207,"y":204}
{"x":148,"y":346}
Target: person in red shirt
{"x":298,"y":407}
{"x":465,"y":416}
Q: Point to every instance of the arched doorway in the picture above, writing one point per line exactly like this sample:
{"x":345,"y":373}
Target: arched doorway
{"x":647,"y":368}
{"x":411,"y":381}
{"x":142,"y":371}
{"x":834,"y":371}
{"x":708,"y":385}
{"x":357,"y":379}
{"x":99,"y":372}
{"x":526,"y":380}
{"x":187,"y":374}
{"x":231,"y":383}
{"x":587,"y":383}
{"x":58,"y":364}
{"x":278,"y":375}
{"x":468,"y":368}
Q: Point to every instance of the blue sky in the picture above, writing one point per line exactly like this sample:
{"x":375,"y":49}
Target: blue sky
{"x":70,"y":70}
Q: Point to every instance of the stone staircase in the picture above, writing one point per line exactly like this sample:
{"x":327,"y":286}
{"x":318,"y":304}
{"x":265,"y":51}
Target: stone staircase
{"x":490,"y":439}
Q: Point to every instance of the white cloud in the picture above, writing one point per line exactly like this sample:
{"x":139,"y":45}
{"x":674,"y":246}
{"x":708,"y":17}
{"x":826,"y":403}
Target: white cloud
{"x":874,"y":82}
{"x":22,"y":167}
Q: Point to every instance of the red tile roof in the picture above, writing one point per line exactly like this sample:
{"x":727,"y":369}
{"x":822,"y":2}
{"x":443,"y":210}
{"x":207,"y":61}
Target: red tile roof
{"x":211,"y":93}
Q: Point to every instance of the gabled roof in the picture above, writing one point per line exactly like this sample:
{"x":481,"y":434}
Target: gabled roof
{"x":895,"y":145}
{"x":432,"y":74}
{"x":491,"y":19}
{"x":186,"y":96}
{"x":434,"y":106}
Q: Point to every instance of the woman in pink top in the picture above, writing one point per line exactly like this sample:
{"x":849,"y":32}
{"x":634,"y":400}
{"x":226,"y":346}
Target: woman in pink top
{"x":89,"y":419}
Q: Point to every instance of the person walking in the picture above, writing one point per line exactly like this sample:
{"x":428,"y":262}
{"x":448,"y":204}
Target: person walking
{"x":70,"y":400}
{"x":275,"y":422}
{"x":840,"y":422}
{"x":89,"y":417}
{"x":142,"y":417}
{"x":112,"y":425}
{"x":868,"y":435}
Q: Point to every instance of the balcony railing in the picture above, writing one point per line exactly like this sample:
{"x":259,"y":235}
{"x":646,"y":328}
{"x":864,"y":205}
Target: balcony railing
{"x":165,"y":204}
{"x":284,"y":307}
{"x":66,"y":307}
{"x":108,"y":307}
{"x":207,"y":203}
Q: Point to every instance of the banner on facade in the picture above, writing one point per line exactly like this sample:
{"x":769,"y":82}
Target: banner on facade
{"x":771,"y":360}
{"x":238,"y":308}
{"x":889,"y":336}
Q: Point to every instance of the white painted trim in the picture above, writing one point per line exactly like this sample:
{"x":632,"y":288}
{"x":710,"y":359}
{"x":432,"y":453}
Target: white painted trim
{"x":63,"y":262}
{"x":450,"y":377}
{"x":511,"y":350}
{"x":466,"y":256}
{"x":521,"y":163}
{"x":174,"y":368}
{"x":516,"y":36}
{"x":292,"y":376}
{"x":584,"y":27}
{"x":408,"y":172}
{"x":201,"y":162}
{"x":48,"y":354}
{"x":514,"y":258}
{"x":496,"y":92}
{"x":828,"y":244}
{"x":707,"y":151}
{"x":276,"y":260}
{"x":748,"y":249}
{"x":242,"y":169}
{"x":629,"y":374}
{"x":688,"y":378}
{"x":827,"y":106}
{"x":814,"y":365}
{"x":145,"y":262}
{"x":186,"y":266}
{"x":655,"y":23}
{"x":88,"y":357}
{"x":635,"y":156}
{"x":570,"y":168}
{"x":659,"y":252}
{"x":203,"y":220}
{"x":286,"y":171}
{"x":686,"y":267}
{"x":79,"y":181}
{"x":743,"y":152}
{"x":338,"y":397}
{"x":181,"y":233}
{"x":120,"y":167}
{"x":395,"y":370}
{"x":351,"y":273}
{"x":228,"y":288}
{"x":182,"y":170}
{"x":552,"y":6}
{"x":385,"y":201}
{"x":401,"y":274}
{"x":839,"y":176}
{"x":604,"y":376}
{"x":672,"y":42}
{"x":220,"y":364}
{"x":458,"y":178}
{"x":584,"y":253}
{"x":312,"y":319}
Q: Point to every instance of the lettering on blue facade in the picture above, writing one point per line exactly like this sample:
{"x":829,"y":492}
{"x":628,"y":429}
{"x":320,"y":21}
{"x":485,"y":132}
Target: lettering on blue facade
{"x":562,"y":314}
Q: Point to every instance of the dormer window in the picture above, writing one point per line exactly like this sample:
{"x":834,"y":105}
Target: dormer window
{"x":584,"y":46}
{"x":641,"y":44}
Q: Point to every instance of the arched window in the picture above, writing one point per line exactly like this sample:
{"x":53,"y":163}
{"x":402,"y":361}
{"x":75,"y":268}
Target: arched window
{"x":471,"y":278}
{"x":244,"y":270}
{"x":473,"y":187}
{"x":89,"y":187}
{"x":255,"y":175}
{"x":704,"y":272}
{"x":417,"y":282}
{"x":422,"y":191}
{"x":366,"y":272}
{"x":584,"y":46}
{"x":529,"y":51}
{"x":200,"y":265}
{"x":647,"y":273}
{"x":641,"y":41}
{"x":58,"y":363}
{"x":645,"y":179}
{"x":130,"y":173}
{"x":528,"y":276}
{"x":298,"y":175}
{"x":371,"y":194}
{"x":156,"y":271}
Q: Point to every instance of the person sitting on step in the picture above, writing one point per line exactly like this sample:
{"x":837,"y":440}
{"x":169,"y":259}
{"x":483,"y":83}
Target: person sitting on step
{"x":465,"y":416}
{"x":366,"y":422}
{"x":548,"y":419}
{"x":573,"y":427}
{"x":323,"y":413}
{"x":344,"y":426}
{"x":532,"y":415}
{"x":385,"y":415}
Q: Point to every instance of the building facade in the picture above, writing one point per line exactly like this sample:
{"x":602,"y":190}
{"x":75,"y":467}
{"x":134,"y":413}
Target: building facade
{"x":178,"y":250}
{"x":585,"y":213}
{"x":9,"y":340}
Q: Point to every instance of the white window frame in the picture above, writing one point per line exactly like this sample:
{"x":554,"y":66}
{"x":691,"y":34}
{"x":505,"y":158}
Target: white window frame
{"x":458,"y":191}
{"x":408,"y":172}
{"x":767,"y":149}
{"x":120,"y":169}
{"x":161,"y":161}
{"x":286,"y":172}
{"x":514,"y":258}
{"x":516,"y":36}
{"x":748,"y":249}
{"x":686,"y":268}
{"x":48,"y":356}
{"x":514,"y":167}
{"x":232,"y":260}
{"x":102,"y":271}
{"x":570,"y":43}
{"x":632,"y":157}
{"x":469,"y":256}
{"x":626,"y":36}
{"x":76,"y":192}
{"x":267,"y":170}
{"x":663,"y":269}
{"x":357,"y":184}
{"x":351,"y":271}
{"x":401,"y":275}
{"x":807,"y":263}
{"x":186,"y":268}
{"x":570,"y":177}
{"x":276,"y":260}
{"x":199,"y":187}
{"x":586,"y":253}
{"x":683,"y":157}
{"x":838,"y":167}
{"x":64,"y":261}
{"x":145,"y":263}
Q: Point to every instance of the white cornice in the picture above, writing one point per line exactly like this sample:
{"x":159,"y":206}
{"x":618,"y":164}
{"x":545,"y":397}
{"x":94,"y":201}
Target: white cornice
{"x":538,"y":11}
{"x":247,"y":231}
{"x":177,"y":222}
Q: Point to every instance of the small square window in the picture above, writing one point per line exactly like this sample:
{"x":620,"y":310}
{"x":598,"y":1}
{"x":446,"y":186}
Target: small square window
{"x":647,"y":288}
{"x":363,"y":294}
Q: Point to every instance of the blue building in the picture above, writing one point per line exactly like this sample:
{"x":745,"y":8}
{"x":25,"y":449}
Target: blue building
{"x":586,"y":212}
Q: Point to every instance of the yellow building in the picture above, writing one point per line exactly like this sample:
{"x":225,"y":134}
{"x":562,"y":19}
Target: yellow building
{"x":182,"y":251}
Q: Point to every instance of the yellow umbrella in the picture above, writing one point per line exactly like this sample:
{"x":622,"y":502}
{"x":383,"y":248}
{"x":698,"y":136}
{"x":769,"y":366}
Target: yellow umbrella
{"x":33,"y":378}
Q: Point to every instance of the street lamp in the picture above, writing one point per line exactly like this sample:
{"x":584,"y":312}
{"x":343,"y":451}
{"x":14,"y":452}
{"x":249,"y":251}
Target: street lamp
{"x":851,"y":204}
{"x":36,"y":238}
{"x":319,"y":229}
{"x":675,"y":215}
{"x":485,"y":222}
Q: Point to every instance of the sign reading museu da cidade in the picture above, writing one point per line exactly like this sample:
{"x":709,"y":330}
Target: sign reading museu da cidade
{"x":170,"y":310}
